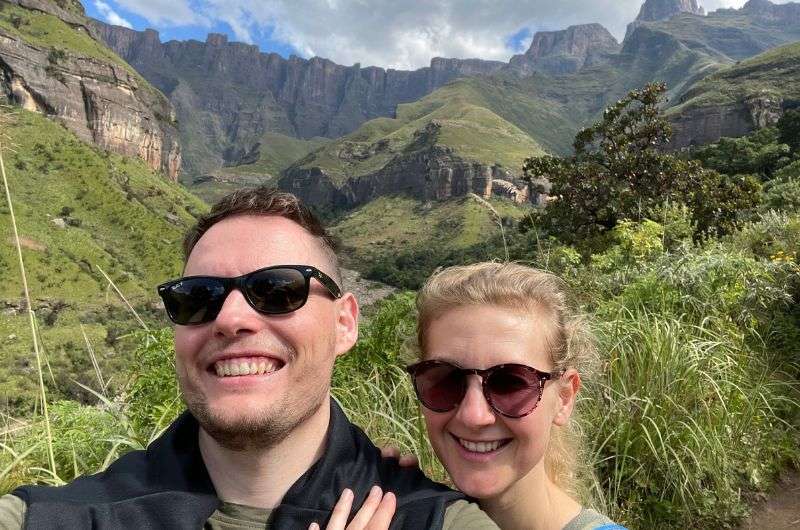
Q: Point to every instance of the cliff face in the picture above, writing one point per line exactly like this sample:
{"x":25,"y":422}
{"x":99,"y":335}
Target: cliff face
{"x":227,"y":95}
{"x":657,"y":10}
{"x":566,"y":51}
{"x":431,"y":174}
{"x":100,"y":100}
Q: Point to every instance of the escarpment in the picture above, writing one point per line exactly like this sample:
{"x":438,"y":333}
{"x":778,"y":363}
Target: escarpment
{"x":82,"y":84}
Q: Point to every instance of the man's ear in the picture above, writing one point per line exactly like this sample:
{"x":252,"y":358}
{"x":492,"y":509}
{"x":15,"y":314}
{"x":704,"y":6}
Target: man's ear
{"x":569,"y":384}
{"x":346,"y":323}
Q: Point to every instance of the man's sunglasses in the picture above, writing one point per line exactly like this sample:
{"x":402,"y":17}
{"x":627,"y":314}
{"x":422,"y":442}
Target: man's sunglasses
{"x":512,"y":390}
{"x":272,"y":291}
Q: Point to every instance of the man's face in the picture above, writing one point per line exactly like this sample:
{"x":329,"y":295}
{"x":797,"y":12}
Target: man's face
{"x":292,"y":354}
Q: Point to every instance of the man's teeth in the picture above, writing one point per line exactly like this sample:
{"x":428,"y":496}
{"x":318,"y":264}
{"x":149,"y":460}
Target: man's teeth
{"x":245,"y":366}
{"x":480,"y":447}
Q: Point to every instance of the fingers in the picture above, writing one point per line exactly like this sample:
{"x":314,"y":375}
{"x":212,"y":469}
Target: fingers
{"x":340,"y":512}
{"x":367,"y":509}
{"x":404,"y":460}
{"x":313,"y":526}
{"x":382,"y":517}
{"x":409,"y":461}
{"x":390,"y":451}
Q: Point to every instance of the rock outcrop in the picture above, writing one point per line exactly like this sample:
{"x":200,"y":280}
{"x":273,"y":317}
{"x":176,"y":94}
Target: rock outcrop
{"x":566,"y":51}
{"x":233,"y":93}
{"x":434,"y":173}
{"x":656,"y":10}
{"x":102,"y":101}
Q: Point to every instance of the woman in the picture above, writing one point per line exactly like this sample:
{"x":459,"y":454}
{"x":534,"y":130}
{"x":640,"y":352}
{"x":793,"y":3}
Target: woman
{"x":499,"y":374}
{"x":498,"y":378}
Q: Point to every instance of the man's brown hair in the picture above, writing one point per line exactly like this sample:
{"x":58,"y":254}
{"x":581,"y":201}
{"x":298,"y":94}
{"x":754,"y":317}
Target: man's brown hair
{"x":264,"y":201}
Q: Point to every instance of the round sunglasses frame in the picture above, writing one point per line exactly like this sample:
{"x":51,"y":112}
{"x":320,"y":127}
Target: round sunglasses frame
{"x":240,"y":283}
{"x":485,"y":374}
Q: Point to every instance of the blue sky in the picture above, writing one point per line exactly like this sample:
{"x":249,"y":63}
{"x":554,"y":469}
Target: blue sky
{"x":402,"y":34}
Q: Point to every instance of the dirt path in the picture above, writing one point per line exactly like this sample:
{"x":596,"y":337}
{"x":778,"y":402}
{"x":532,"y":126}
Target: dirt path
{"x":780,"y":510}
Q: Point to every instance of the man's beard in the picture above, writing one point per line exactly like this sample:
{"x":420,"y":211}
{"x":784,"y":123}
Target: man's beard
{"x":247,"y":433}
{"x":262,"y":431}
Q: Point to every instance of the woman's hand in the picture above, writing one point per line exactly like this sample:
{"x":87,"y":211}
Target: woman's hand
{"x":403,"y":460}
{"x":375,"y":514}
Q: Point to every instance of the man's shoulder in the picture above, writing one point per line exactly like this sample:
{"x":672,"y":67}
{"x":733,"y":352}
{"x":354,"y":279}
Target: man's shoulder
{"x":12,"y":512}
{"x":466,"y":515}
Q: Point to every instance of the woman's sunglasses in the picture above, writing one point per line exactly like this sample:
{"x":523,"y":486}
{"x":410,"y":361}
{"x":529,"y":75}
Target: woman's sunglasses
{"x":512,"y":390}
{"x":272,"y":291}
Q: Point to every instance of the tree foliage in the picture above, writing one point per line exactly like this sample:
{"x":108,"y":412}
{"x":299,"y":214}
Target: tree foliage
{"x":761,"y":153}
{"x":789,"y":129}
{"x":620,"y":171}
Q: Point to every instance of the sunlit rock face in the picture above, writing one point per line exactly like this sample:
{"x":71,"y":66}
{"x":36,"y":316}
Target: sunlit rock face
{"x":102,"y":102}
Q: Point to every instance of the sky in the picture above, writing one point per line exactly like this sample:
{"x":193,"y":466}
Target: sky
{"x":403,"y":34}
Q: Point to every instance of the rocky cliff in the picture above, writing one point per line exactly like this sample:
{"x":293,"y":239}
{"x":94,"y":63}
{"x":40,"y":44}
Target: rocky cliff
{"x":50,"y":63}
{"x":656,"y":10}
{"x":739,"y":99}
{"x":228,"y":94}
{"x":435,"y":173}
{"x":566,"y":51}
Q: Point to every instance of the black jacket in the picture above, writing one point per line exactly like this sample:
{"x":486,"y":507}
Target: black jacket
{"x":167,"y":486}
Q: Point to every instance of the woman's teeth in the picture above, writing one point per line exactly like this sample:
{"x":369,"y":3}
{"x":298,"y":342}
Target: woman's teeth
{"x":480,"y":447}
{"x":245,"y":366}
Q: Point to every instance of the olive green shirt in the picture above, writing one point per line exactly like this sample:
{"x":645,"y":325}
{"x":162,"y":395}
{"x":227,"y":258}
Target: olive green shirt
{"x":460,"y":515}
{"x":588,"y":519}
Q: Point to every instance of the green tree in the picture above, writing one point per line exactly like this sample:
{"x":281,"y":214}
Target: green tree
{"x":761,"y":153}
{"x":789,"y":129}
{"x":620,"y":171}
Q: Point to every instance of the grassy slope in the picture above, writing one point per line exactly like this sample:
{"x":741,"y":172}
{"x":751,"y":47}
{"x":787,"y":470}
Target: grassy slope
{"x":468,"y":126}
{"x":776,"y":73}
{"x":47,"y":31}
{"x":131,"y":221}
{"x":381,"y":227}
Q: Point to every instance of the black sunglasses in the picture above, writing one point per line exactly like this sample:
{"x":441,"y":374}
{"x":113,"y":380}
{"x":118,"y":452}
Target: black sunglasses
{"x":512,"y":390}
{"x":271,"y":290}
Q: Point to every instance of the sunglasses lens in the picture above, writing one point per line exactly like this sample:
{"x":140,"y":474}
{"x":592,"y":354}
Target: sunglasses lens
{"x":275,"y":291}
{"x":194,"y":300}
{"x":440,"y":387}
{"x":514,"y":390}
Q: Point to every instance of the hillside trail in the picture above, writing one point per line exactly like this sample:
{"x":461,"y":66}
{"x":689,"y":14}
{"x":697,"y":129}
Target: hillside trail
{"x":780,"y":510}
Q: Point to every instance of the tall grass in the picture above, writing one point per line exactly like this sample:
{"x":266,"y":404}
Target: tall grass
{"x":5,"y":120}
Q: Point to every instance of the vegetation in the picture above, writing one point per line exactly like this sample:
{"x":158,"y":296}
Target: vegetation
{"x":618,"y":172}
{"x":101,"y":215}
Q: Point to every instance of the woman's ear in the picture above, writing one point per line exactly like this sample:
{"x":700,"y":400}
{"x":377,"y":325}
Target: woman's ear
{"x":569,"y":384}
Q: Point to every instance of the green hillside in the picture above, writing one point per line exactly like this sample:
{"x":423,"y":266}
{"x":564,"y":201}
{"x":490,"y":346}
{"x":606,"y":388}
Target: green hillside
{"x":773,"y":73}
{"x":80,"y":210}
{"x":276,"y":152}
{"x":463,"y":120}
{"x":381,"y":228}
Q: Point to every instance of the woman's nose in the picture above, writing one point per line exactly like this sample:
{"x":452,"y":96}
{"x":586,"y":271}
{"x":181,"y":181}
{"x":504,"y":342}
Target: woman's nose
{"x":474,"y":410}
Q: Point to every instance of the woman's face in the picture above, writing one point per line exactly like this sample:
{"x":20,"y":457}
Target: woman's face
{"x":481,"y":337}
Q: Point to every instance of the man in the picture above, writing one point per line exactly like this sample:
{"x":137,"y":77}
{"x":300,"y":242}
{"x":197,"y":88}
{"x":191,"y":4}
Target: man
{"x":260,"y":320}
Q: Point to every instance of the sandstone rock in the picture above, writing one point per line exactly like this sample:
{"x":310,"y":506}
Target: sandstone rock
{"x":566,"y":51}
{"x":234,"y":93}
{"x":655,"y":10}
{"x":101,"y":102}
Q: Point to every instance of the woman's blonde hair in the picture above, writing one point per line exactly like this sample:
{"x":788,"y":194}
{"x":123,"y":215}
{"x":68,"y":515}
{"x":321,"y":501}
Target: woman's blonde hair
{"x":535,"y":292}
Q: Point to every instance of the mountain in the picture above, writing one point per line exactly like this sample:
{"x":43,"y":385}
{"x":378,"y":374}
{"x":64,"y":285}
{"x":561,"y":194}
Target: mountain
{"x":566,"y":51}
{"x":735,"y":101}
{"x":657,"y":10}
{"x":228,"y":94}
{"x":80,"y":210}
{"x":50,"y":62}
{"x":448,"y":144}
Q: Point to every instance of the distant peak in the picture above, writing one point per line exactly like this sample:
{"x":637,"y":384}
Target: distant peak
{"x":653,"y":10}
{"x":757,"y":5}
{"x":217,"y":39}
{"x":575,"y":40}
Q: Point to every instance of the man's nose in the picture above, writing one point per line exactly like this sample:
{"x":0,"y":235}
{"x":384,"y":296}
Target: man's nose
{"x":236,"y":317}
{"x":474,"y":410}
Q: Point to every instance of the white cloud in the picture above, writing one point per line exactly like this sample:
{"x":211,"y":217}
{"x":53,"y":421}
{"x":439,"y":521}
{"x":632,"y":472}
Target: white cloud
{"x":110,"y":15}
{"x":396,"y":34}
{"x":166,"y":12}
